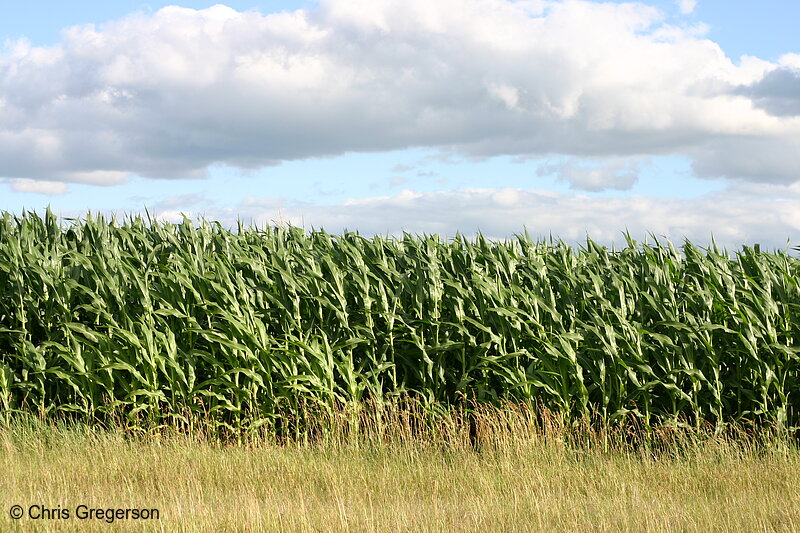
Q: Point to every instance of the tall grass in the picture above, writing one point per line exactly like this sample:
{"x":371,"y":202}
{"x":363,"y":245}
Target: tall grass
{"x":528,"y":473}
{"x":146,"y":323}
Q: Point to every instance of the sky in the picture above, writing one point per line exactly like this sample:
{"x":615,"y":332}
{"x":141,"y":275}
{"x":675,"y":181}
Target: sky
{"x":677,"y":119}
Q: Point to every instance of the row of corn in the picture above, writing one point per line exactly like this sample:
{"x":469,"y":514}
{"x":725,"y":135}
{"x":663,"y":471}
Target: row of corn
{"x":156,"y":323}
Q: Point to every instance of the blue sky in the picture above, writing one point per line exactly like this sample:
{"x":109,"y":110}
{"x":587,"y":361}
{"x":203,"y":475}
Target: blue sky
{"x":678,"y":118}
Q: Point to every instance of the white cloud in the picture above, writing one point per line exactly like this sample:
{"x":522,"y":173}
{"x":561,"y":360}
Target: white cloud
{"x":756,"y":213}
{"x":508,"y":197}
{"x":687,"y":6}
{"x":506,"y":94}
{"x":172,"y":93}
{"x":174,"y":216}
{"x":618,"y":174}
{"x":38,"y":186}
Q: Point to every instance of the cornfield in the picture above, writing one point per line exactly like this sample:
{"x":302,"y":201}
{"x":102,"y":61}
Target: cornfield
{"x":155,"y":323}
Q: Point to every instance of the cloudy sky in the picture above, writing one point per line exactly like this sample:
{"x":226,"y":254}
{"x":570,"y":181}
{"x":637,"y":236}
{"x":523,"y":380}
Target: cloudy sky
{"x":574,"y":117}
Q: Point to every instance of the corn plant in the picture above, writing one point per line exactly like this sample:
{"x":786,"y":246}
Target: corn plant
{"x":157,"y":324}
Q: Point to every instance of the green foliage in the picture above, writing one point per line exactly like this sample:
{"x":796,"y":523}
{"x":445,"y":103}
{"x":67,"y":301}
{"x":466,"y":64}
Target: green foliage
{"x":155,"y":323}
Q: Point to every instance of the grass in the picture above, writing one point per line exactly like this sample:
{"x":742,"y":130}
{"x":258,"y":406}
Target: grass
{"x":517,"y":476}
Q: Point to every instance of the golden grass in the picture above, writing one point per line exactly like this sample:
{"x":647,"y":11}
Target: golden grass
{"x":511,"y":476}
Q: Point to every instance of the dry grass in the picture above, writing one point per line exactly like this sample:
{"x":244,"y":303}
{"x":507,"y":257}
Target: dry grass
{"x":513,"y":475}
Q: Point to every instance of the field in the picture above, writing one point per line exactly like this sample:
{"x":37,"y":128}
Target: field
{"x":337,"y":381}
{"x":519,"y":480}
{"x":151,"y":324}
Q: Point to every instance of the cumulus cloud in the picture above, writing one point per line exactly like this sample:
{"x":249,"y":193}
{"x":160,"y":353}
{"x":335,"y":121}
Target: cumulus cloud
{"x":51,"y":188}
{"x":687,"y":6}
{"x":778,"y":92}
{"x":615,"y":174}
{"x":773,"y":159}
{"x":171,"y":93}
{"x":733,"y":218}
